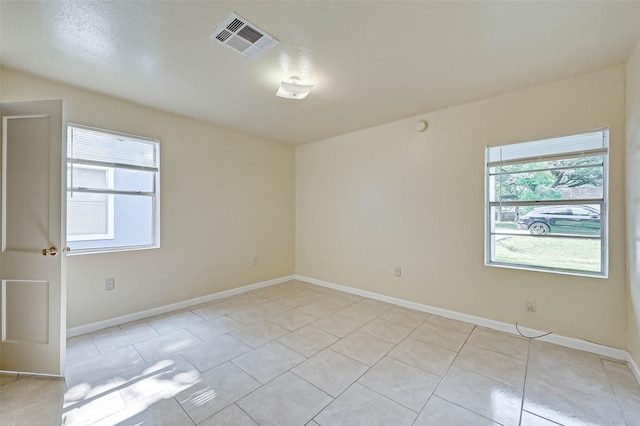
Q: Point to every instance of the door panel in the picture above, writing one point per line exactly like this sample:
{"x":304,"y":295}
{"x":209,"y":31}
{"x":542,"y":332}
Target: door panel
{"x":27,"y":309}
{"x":27,"y":184}
{"x":32,"y":279}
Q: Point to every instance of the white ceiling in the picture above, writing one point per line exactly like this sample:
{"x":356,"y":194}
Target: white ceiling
{"x":371,"y":62}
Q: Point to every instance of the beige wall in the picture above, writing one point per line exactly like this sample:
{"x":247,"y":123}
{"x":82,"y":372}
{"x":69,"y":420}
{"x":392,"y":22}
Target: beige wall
{"x":633,"y":201}
{"x":389,"y":196}
{"x":225,"y":197}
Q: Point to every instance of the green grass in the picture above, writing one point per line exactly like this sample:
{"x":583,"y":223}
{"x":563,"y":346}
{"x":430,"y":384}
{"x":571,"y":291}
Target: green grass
{"x":566,"y":253}
{"x":506,"y":225}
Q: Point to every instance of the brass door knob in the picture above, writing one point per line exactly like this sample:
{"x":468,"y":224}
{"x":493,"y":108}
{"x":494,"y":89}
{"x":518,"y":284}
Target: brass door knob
{"x":51,"y":251}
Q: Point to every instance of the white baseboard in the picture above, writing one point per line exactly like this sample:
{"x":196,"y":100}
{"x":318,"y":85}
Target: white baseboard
{"x":633,"y":366}
{"x":88,"y":328}
{"x":570,"y":342}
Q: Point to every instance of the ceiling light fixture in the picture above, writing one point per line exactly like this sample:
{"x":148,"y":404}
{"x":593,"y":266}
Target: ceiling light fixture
{"x":293,"y":89}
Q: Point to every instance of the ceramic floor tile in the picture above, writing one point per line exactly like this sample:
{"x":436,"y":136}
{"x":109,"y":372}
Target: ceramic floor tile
{"x":268,"y":361}
{"x":259,"y":333}
{"x":499,"y":342}
{"x":8,"y":378}
{"x":254,"y":314}
{"x":439,"y":412}
{"x":319,"y":308}
{"x":362,"y":347}
{"x":365,"y":310}
{"x":427,"y":357}
{"x":569,"y":406}
{"x":461,"y":326}
{"x":361,"y":406}
{"x":621,"y":376}
{"x":218,"y":388}
{"x":337,"y":324}
{"x":492,"y":364}
{"x":482,"y":395}
{"x":44,"y":413}
{"x":212,"y":353}
{"x":307,"y":341}
{"x":626,"y":389}
{"x":567,"y":374}
{"x":86,"y":391}
{"x":194,"y":370}
{"x":374,"y":304}
{"x":175,"y":321}
{"x":439,"y":335}
{"x":215,"y":310}
{"x":135,"y":323}
{"x":293,"y":319}
{"x":330,"y":371}
{"x":286,"y":304}
{"x":277,"y":291}
{"x":529,"y":419}
{"x":215,"y":327}
{"x":230,"y":416}
{"x":631,"y":411}
{"x":342,"y":299}
{"x":93,"y":409}
{"x":163,"y":412}
{"x":116,"y":337}
{"x":244,"y":301}
{"x":156,"y":380}
{"x":300,"y":299}
{"x":104,"y":366}
{"x":563,"y":353}
{"x":400,"y":382}
{"x":405,"y":316}
{"x":166,"y":345}
{"x":81,"y":347}
{"x":286,"y":401}
{"x":389,"y":331}
{"x":25,"y":393}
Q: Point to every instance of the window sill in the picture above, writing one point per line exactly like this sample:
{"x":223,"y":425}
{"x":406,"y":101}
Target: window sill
{"x":585,"y":274}
{"x":80,"y":252}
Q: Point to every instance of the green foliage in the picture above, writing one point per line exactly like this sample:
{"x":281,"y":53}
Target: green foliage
{"x":546,"y":180}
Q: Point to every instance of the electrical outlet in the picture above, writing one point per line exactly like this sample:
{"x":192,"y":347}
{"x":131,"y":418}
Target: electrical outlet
{"x":110,"y":284}
{"x":532,"y":306}
{"x":398,"y":271}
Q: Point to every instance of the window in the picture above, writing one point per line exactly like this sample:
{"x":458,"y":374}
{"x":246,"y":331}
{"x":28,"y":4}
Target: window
{"x":112,"y":191}
{"x":546,"y":204}
{"x":90,"y":216}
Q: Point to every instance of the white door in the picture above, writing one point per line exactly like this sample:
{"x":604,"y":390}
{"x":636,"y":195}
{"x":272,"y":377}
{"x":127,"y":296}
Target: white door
{"x":32,"y":234}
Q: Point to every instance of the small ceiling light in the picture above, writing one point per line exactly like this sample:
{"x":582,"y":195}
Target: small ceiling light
{"x":293,"y":90}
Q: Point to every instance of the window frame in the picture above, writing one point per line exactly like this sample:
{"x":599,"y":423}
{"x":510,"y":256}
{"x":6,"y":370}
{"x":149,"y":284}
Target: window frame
{"x":489,"y":237}
{"x":110,"y":214}
{"x":154,"y":193}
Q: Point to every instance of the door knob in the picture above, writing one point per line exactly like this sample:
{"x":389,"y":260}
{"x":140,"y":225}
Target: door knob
{"x":52,"y":251}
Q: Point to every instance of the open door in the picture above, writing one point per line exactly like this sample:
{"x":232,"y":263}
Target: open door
{"x":32,"y":238}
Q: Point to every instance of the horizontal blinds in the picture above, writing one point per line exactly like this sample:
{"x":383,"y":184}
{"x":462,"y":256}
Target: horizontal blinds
{"x":594,"y":142}
{"x":111,"y":148}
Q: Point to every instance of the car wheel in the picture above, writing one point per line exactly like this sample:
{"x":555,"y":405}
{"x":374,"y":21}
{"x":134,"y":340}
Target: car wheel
{"x":539,"y":228}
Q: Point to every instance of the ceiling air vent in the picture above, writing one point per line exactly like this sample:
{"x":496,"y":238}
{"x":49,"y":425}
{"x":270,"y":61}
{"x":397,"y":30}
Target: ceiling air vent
{"x":242,"y":36}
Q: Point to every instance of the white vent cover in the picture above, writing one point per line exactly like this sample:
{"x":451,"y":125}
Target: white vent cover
{"x":242,"y":36}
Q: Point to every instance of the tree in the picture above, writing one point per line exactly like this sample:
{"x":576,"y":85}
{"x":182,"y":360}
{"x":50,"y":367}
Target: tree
{"x":546,"y":180}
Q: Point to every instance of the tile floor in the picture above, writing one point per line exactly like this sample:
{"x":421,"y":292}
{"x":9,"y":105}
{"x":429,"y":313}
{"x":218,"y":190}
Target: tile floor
{"x":299,"y":354}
